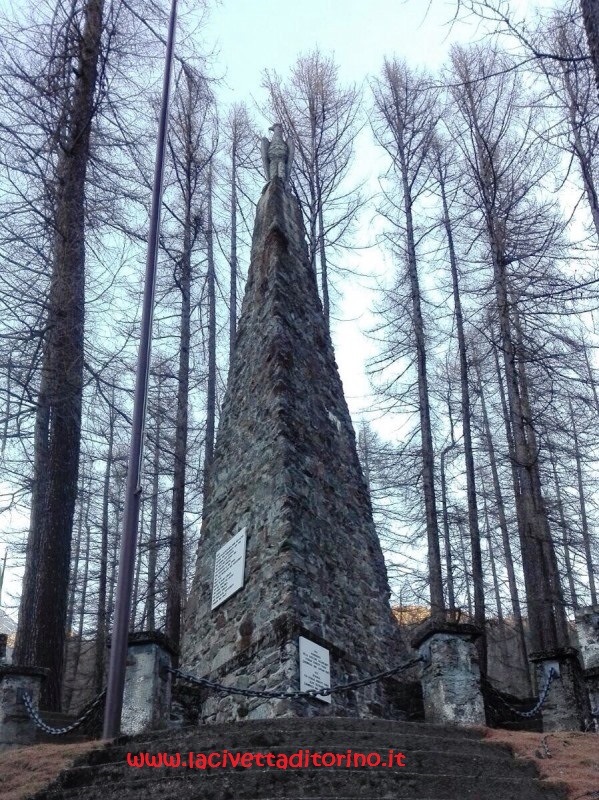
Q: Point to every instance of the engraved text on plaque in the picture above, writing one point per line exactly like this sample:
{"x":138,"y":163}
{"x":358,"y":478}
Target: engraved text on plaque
{"x":315,"y":669}
{"x":229,"y":567}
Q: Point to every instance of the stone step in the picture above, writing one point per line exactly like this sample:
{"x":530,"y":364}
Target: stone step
{"x":320,"y":741}
{"x":421,"y":762}
{"x":310,"y":783}
{"x":442,"y":763}
{"x":245,"y":728}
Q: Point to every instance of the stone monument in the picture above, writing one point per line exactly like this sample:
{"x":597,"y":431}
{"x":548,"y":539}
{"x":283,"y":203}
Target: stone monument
{"x":290,"y":584}
{"x":277,"y":155}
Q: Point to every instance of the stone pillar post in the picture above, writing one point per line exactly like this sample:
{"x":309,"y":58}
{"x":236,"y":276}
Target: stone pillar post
{"x":451,"y":674}
{"x":587,"y":629}
{"x":147,"y":697}
{"x":566,"y":705}
{"x":16,"y":727}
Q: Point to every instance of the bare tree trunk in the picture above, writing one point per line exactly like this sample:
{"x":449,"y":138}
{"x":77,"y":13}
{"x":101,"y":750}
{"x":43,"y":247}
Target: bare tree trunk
{"x":591,"y":376}
{"x":114,"y":554}
{"x":446,"y":536}
{"x":84,"y":585}
{"x":177,"y":539}
{"x":544,"y":610}
{"x":75,"y":568}
{"x":553,"y":586}
{"x":428,"y":467}
{"x":477,"y":567}
{"x":584,"y":159}
{"x":140,"y":546}
{"x":564,"y":526}
{"x":590,"y":15}
{"x":233,"y":255}
{"x":324,"y":276}
{"x":505,"y":535}
{"x":152,"y":539}
{"x":586,"y":539}
{"x":364,"y":453}
{"x":63,"y":368}
{"x":211,"y":388}
{"x":465,"y":567}
{"x":7,"y":406}
{"x":25,"y":651}
{"x":102,"y":627}
{"x":491,"y":553}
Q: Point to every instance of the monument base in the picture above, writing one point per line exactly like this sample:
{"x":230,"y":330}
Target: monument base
{"x":566,"y":705}
{"x":272,"y":663}
{"x":451,"y":674}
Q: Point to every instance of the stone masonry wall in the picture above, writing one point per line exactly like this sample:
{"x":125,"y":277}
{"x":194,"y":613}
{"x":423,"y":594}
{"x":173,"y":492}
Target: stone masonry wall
{"x":286,"y":469}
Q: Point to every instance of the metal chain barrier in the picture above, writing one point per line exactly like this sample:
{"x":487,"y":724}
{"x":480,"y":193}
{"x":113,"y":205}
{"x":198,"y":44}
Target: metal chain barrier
{"x":39,"y":722}
{"x":293,"y":695}
{"x":539,"y":704}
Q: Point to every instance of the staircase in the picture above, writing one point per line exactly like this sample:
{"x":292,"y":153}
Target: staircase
{"x":441,"y":763}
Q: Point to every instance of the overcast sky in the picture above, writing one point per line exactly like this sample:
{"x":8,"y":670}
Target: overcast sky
{"x":252,"y":35}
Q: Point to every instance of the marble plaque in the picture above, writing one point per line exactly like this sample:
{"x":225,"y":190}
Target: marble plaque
{"x":315,"y":668}
{"x":229,"y":568}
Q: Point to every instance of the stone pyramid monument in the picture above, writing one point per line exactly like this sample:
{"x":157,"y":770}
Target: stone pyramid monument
{"x":289,"y":565}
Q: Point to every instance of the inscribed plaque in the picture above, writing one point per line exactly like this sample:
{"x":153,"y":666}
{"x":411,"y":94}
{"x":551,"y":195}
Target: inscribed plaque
{"x":315,"y":668}
{"x":229,"y":568}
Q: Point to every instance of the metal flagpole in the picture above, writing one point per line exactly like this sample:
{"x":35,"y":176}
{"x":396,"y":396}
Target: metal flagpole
{"x":122,"y":610}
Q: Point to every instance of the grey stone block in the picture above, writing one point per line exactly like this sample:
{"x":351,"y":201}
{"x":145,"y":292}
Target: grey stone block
{"x":451,"y":675}
{"x":16,"y":727}
{"x":147,"y":696}
{"x":567,"y":704}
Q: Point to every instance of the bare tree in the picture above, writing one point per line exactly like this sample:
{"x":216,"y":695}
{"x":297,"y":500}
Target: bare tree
{"x":40,"y":636}
{"x":191,"y":152}
{"x":242,"y":153}
{"x":574,"y":101}
{"x":406,"y":112}
{"x":320,"y":116}
{"x":442,"y":156}
{"x":500,"y":156}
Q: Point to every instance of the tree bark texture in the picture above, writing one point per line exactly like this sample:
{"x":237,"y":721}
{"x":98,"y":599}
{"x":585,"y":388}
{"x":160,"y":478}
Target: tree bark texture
{"x":53,"y":501}
{"x":211,"y":388}
{"x":475,"y":548}
{"x":590,"y":15}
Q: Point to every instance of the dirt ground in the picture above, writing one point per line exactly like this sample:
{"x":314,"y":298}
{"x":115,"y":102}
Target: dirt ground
{"x":26,"y":770}
{"x":566,"y":757}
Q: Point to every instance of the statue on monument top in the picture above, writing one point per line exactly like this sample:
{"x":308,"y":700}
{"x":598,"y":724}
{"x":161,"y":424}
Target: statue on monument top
{"x":277,"y":155}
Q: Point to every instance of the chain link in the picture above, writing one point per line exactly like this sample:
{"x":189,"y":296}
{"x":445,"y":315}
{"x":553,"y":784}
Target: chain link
{"x":539,"y":704}
{"x":39,"y":722}
{"x":293,"y":695}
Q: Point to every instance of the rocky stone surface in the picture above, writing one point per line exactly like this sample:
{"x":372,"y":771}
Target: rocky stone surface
{"x":567,"y":703}
{"x":16,"y":727}
{"x":587,"y":630}
{"x":287,"y":470}
{"x":147,"y":694}
{"x":451,"y":676}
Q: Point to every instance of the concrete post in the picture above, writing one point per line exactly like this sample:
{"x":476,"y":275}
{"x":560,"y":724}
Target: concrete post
{"x":147,"y":698}
{"x":451,"y":674}
{"x":587,"y":629}
{"x":16,"y":727}
{"x":566,"y":705}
